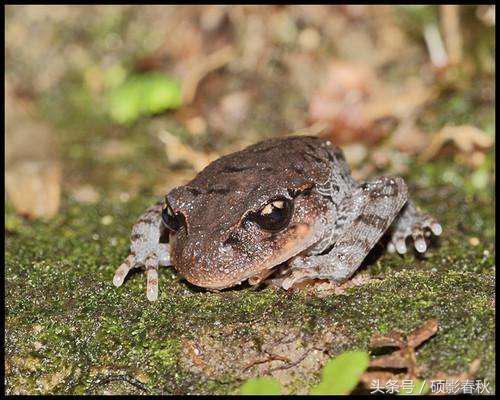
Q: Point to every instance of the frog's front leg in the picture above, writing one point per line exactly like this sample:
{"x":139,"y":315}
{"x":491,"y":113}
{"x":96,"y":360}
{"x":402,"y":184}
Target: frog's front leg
{"x":146,"y":250}
{"x":412,"y":222}
{"x":367,"y":214}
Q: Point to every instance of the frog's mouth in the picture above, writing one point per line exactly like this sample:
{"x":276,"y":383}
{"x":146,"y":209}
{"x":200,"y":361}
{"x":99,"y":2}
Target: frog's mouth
{"x":303,"y":238}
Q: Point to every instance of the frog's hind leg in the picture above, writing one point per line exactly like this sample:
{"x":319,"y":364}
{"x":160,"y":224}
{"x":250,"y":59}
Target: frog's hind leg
{"x":367,"y":214}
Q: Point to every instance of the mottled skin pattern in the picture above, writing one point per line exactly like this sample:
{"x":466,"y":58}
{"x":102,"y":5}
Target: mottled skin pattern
{"x":331,"y":221}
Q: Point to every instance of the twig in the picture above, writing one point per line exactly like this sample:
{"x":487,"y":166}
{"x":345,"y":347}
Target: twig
{"x":201,"y":68}
{"x":293,"y":364}
{"x":450,"y":21}
{"x":435,"y":46}
{"x":104,"y":379}
{"x":271,"y":357}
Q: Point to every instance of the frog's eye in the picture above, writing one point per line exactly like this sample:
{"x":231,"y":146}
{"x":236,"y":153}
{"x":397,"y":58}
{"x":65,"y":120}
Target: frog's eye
{"x":169,"y":219}
{"x":275,"y":215}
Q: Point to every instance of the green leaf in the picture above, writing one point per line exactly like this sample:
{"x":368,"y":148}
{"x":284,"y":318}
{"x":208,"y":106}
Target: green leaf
{"x":124,"y":104}
{"x":261,"y":386}
{"x":143,"y":94}
{"x":342,"y":374}
{"x":161,"y":93}
{"x":419,"y":387}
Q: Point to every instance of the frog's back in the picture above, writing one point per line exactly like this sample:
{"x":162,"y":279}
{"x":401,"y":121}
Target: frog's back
{"x":243,"y":181}
{"x":288,"y":159}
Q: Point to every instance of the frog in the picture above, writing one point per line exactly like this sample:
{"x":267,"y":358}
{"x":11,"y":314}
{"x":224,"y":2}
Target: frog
{"x":282,"y":211}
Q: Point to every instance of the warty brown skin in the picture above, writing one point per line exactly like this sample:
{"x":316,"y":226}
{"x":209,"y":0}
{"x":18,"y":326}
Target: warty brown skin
{"x":217,"y":248}
{"x":218,"y":225}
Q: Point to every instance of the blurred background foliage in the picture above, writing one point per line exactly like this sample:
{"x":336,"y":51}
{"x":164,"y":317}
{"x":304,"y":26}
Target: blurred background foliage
{"x":110,"y":107}
{"x":113,"y":100}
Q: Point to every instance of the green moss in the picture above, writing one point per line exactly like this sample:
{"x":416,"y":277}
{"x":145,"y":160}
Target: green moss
{"x":59,"y":294}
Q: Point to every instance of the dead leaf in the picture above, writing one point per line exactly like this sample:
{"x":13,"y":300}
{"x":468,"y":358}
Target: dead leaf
{"x":395,"y":339}
{"x":400,"y":101}
{"x":34,"y":187}
{"x":395,"y":360}
{"x":193,"y":351}
{"x":465,"y":137}
{"x":201,"y":67}
{"x":404,"y":356}
{"x":323,"y":287}
{"x":450,"y":21}
{"x":177,"y":151}
{"x":423,"y":333}
{"x":33,"y":172}
{"x":356,"y":103}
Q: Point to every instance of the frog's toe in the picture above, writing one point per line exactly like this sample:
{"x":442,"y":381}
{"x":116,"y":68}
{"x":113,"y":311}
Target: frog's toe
{"x":152,"y":279}
{"x":429,"y":225}
{"x":122,"y":271}
{"x":398,"y":243}
{"x":418,"y":239}
{"x":418,"y":228}
{"x":287,"y":283}
{"x":436,"y":228}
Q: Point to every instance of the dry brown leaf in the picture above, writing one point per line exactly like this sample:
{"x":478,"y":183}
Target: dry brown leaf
{"x":465,"y":137}
{"x":201,"y":67}
{"x":51,"y":381}
{"x":395,"y":360}
{"x":33,"y":172}
{"x":323,"y":287}
{"x":450,"y":21}
{"x":395,"y":339}
{"x":354,"y":101}
{"x":193,"y":352}
{"x":400,"y":101}
{"x":404,"y":357}
{"x":178,"y":151}
{"x":423,"y":333}
{"x":34,"y":188}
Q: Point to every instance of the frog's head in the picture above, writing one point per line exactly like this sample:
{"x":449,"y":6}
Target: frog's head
{"x":241,"y":216}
